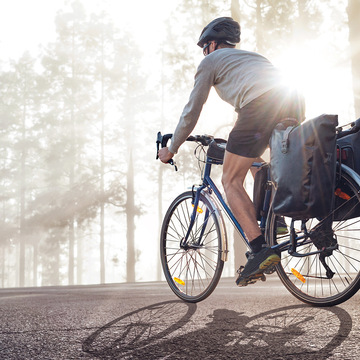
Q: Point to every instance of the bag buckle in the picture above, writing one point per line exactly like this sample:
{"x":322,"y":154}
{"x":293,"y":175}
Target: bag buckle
{"x":284,"y":146}
{"x":285,"y":140}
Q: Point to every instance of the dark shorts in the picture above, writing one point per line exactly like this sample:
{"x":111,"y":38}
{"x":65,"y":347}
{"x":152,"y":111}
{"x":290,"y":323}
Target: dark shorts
{"x":256,"y":121}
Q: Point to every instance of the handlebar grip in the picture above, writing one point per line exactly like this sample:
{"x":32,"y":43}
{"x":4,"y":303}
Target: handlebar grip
{"x":163,"y":140}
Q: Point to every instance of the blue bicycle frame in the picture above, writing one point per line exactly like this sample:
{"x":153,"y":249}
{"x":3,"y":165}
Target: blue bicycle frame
{"x":208,"y":183}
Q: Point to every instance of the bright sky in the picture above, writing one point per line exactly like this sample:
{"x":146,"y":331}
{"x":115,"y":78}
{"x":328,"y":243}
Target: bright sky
{"x":326,"y":85}
{"x":25,"y":24}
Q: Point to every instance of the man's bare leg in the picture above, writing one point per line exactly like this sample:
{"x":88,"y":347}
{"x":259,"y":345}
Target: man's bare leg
{"x":261,"y":258}
{"x":234,"y":172}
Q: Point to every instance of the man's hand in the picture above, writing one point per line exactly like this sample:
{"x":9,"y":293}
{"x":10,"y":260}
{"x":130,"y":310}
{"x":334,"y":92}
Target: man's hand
{"x":165,"y":155}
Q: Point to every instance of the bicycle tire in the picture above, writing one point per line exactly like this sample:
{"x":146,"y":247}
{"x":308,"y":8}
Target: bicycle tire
{"x":193,"y":273}
{"x":305,"y":277}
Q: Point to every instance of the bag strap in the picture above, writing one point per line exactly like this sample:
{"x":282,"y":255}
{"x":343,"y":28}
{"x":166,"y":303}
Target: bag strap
{"x":285,"y":140}
{"x":286,"y":125}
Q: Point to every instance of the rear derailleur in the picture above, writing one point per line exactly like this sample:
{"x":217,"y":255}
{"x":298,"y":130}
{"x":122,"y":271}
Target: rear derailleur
{"x":325,"y":241}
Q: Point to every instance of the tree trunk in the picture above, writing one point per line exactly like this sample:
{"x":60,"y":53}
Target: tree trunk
{"x":22,"y":201}
{"x":160,"y":219}
{"x":102,"y":171}
{"x":130,"y":217}
{"x":72,"y":167}
{"x":353,"y":11}
{"x":235,"y":10}
{"x":161,"y":171}
{"x":79,"y":259}
{"x":35,"y":262}
{"x":71,"y":227}
{"x":71,"y":252}
{"x":259,"y":28}
{"x":2,"y":257}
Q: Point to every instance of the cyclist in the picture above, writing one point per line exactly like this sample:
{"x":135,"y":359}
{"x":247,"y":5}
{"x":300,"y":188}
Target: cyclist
{"x":250,"y":83}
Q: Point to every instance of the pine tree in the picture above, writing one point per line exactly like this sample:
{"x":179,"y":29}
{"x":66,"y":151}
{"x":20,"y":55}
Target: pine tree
{"x":68,"y":116}
{"x":353,"y":11}
{"x":19,"y":105}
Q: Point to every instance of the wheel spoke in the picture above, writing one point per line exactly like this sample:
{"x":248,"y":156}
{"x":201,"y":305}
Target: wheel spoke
{"x":193,"y":269}
{"x":339,"y":279}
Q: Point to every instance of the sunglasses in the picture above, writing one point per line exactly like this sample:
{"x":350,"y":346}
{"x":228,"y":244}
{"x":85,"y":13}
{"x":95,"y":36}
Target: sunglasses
{"x":205,"y":49}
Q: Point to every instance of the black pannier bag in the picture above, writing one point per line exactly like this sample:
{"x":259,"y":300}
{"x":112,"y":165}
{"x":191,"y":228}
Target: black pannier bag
{"x":348,"y":153}
{"x":349,"y":148}
{"x":303,"y":167}
{"x":260,"y":186}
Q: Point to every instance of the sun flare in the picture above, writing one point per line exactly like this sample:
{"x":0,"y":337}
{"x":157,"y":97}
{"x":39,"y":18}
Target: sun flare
{"x":320,"y":80}
{"x":299,"y":70}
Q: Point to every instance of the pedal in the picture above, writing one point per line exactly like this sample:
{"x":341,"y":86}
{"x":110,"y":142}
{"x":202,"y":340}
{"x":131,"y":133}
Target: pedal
{"x":250,"y":280}
{"x":270,"y":270}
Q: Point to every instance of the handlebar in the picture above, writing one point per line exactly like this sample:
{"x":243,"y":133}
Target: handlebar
{"x":205,"y":140}
{"x":354,"y":128}
{"x":202,"y":139}
{"x":162,"y":141}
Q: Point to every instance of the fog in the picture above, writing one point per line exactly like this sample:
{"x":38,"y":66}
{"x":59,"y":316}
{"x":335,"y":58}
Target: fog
{"x":86,"y":86}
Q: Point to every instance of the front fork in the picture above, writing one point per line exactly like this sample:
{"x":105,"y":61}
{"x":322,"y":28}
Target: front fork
{"x":184,"y":242}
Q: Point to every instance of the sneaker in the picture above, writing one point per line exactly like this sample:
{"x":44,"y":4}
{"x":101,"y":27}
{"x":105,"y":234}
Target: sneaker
{"x":281,"y":226}
{"x":256,"y":265}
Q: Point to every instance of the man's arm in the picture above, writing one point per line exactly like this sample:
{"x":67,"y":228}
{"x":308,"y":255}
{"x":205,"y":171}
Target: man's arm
{"x":204,"y":80}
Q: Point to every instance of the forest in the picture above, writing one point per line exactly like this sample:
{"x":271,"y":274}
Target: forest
{"x":82,"y":196}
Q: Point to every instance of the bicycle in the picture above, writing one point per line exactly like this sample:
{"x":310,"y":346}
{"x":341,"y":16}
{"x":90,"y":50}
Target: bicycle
{"x":316,"y":269}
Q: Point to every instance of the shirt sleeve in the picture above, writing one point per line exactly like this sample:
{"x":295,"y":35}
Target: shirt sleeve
{"x":204,"y":80}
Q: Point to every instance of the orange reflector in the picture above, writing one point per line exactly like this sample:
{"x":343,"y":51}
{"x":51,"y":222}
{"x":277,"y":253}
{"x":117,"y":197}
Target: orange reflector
{"x":341,"y":194}
{"x":298,"y":275}
{"x":179,"y":281}
{"x":199,"y":210}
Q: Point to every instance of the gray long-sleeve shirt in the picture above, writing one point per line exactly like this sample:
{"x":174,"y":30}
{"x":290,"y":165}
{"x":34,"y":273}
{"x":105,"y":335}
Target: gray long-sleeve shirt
{"x":238,"y":77}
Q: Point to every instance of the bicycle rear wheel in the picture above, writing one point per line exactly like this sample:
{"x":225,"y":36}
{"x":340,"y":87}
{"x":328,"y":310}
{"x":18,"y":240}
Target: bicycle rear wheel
{"x":194,"y":271}
{"x":306,"y":277}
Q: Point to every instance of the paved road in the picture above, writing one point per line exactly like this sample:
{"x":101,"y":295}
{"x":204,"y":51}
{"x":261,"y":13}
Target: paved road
{"x":146,"y":321}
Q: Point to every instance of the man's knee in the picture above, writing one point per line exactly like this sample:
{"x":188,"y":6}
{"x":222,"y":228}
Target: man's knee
{"x":235,"y":169}
{"x":231,"y":183}
{"x":225,"y":182}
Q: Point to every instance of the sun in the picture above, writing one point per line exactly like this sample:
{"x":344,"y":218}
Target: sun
{"x":324,"y":84}
{"x":298,"y":70}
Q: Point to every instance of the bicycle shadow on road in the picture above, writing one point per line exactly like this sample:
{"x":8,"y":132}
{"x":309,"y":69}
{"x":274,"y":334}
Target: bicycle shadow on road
{"x":166,"y":330}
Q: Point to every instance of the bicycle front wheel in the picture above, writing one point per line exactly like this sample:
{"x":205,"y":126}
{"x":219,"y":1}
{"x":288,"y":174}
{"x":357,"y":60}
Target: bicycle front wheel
{"x":192,"y":271}
{"x":307,"y":278}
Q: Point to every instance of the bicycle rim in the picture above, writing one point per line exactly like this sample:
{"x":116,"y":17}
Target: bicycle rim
{"x":306,"y":277}
{"x":192,"y":273}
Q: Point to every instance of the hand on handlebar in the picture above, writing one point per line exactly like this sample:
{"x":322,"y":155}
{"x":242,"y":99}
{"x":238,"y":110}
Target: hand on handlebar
{"x":165,"y":155}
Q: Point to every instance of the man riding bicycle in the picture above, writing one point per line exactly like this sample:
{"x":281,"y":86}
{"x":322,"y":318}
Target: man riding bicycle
{"x":250,"y":83}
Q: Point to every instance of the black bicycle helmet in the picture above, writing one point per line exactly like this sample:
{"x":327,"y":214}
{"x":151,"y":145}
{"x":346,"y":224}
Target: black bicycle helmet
{"x":224,"y":29}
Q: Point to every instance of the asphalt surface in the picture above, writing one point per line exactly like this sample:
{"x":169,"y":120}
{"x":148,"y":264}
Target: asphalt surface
{"x":147,"y":321}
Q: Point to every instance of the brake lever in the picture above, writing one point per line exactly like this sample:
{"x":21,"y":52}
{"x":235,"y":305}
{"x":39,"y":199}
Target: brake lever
{"x":158,"y":142}
{"x":163,"y":140}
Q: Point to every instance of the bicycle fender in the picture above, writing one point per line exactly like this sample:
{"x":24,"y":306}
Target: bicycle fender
{"x":216,"y":209}
{"x":352,"y":173}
